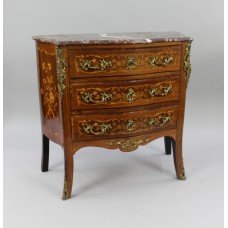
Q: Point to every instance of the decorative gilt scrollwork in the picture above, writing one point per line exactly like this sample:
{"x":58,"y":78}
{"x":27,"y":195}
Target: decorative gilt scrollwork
{"x":131,"y":95}
{"x":160,"y":120}
{"x":102,"y":97}
{"x":61,"y":70}
{"x":131,"y":62}
{"x":161,"y":89}
{"x":96,"y":129}
{"x":103,"y":65}
{"x":164,"y":61}
{"x":127,"y":145}
{"x":187,"y":63}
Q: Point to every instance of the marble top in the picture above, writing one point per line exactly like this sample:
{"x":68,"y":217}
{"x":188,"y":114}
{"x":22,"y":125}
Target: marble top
{"x":113,"y":38}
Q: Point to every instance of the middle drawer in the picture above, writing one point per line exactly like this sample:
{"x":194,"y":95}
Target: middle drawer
{"x":112,"y":94}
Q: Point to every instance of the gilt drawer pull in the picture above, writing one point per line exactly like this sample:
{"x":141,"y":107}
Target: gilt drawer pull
{"x":103,"y":65}
{"x":160,"y":120}
{"x":166,"y":60}
{"x":131,"y":62}
{"x":103,"y":97}
{"x":96,"y":129}
{"x":130,"y":125}
{"x":131,"y":95}
{"x":161,"y":90}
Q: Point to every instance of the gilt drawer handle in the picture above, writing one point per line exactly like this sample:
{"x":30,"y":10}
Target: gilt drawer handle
{"x":102,"y":98}
{"x":131,"y":95}
{"x":160,"y":120}
{"x":96,"y":129}
{"x":166,"y":60}
{"x":131,"y":62}
{"x":103,"y":65}
{"x":161,"y":90}
{"x":130,"y":125}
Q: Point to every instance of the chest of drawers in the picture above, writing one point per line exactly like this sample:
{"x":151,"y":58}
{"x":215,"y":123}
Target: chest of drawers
{"x":114,"y":91}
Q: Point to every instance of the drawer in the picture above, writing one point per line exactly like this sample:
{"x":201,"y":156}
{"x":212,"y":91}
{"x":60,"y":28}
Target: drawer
{"x":106,"y":62}
{"x":112,"y":94}
{"x":113,"y":125}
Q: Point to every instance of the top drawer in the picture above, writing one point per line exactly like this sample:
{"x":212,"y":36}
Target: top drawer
{"x":110,"y":62}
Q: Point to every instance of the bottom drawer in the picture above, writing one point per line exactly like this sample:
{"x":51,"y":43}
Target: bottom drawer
{"x":112,"y":125}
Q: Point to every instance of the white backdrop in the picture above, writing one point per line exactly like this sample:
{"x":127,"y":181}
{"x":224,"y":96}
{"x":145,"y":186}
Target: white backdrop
{"x":203,"y":132}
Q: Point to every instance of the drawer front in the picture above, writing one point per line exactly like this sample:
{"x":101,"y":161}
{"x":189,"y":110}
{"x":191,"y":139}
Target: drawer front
{"x":98,"y":126}
{"x":123,"y":93}
{"x":106,"y":62}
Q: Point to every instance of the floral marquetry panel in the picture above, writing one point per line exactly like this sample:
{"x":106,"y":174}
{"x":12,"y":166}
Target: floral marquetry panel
{"x":48,"y":91}
{"x":49,"y":96}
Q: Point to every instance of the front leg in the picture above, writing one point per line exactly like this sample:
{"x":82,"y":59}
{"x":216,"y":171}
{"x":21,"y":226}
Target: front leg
{"x":69,"y":172}
{"x":178,"y":159}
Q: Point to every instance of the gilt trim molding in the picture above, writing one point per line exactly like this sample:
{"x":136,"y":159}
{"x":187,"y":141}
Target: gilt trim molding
{"x":61,"y":65}
{"x":187,"y":63}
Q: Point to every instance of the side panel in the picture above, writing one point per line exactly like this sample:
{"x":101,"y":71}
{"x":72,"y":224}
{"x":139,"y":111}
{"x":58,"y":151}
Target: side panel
{"x":48,"y":91}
